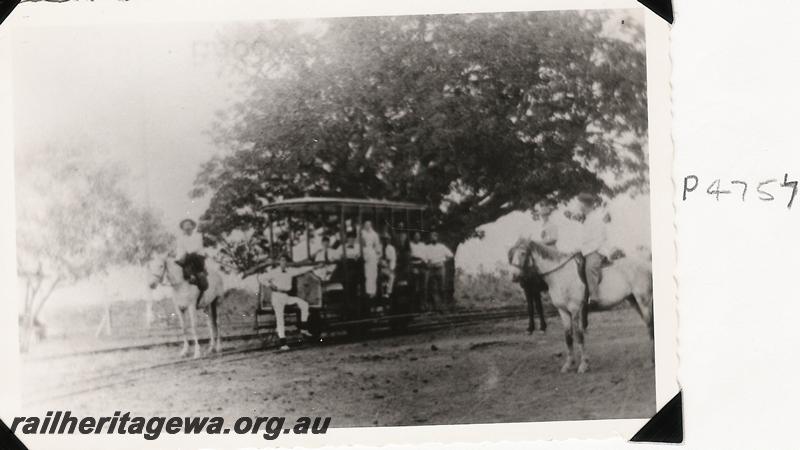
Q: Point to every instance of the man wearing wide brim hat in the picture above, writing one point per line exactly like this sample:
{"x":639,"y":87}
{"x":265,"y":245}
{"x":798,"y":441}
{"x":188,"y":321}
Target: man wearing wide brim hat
{"x":191,"y":255}
{"x":594,"y":241}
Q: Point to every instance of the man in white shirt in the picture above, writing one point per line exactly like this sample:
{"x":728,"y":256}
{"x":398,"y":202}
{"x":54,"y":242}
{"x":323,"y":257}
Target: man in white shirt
{"x":191,"y":256}
{"x":388,"y":264}
{"x":418,"y":248}
{"x":594,"y":241}
{"x":371,"y":245}
{"x":437,"y":254}
{"x":280,"y":282}
{"x":417,"y":262}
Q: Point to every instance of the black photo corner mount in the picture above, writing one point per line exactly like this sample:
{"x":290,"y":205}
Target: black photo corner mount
{"x":661,"y":7}
{"x":666,"y":426}
{"x":8,"y":441}
{"x":6,"y":6}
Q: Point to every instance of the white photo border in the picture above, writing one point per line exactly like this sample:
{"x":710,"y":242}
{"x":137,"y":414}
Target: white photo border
{"x":661,"y":201}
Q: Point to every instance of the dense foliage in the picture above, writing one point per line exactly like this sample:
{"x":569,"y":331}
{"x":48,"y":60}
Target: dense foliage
{"x":474,"y":115}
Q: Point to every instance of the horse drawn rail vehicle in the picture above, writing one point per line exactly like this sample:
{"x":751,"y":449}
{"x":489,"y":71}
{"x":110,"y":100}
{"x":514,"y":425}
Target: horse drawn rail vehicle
{"x":326,"y":241}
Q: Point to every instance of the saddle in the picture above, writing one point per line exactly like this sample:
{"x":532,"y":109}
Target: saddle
{"x":579,"y":258}
{"x":193,"y":265}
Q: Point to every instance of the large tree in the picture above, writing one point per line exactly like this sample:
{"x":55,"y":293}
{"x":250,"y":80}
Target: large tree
{"x":474,"y":115}
{"x":75,"y":219}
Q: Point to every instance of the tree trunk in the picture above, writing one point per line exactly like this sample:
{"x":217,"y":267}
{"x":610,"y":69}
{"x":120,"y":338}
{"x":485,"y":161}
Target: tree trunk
{"x":148,"y":314}
{"x":30,"y":301}
{"x":45,"y":297}
{"x":26,"y":317}
{"x":148,"y":311}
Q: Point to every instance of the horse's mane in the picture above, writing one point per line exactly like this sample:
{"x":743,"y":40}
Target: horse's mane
{"x":546,"y":252}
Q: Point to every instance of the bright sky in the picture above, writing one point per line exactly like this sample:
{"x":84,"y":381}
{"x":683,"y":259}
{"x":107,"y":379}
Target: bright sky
{"x":147,"y":95}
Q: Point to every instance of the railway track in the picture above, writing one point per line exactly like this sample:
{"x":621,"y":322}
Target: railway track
{"x":107,"y":378}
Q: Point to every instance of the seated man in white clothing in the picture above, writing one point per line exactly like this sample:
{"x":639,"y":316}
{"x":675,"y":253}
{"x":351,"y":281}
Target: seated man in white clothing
{"x":279,"y":280}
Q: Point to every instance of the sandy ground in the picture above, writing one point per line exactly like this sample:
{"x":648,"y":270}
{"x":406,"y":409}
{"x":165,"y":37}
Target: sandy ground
{"x":482,"y":373}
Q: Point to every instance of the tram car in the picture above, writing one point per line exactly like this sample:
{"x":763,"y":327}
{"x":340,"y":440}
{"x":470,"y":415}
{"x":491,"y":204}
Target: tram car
{"x":332,"y":279}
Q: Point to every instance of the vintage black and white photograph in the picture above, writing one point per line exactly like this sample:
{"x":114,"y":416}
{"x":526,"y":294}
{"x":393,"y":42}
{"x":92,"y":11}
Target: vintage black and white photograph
{"x":389,"y":220}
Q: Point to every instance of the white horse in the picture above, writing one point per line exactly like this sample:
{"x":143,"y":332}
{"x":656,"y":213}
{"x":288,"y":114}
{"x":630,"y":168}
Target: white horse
{"x":626,"y":279}
{"x":165,"y":269}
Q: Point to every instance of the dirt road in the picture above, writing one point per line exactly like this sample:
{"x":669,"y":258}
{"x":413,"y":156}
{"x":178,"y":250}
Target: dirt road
{"x":481,"y":373}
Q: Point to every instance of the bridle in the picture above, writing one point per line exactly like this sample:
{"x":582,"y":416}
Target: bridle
{"x":554,"y":269}
{"x":529,"y":261}
{"x":158,"y":276}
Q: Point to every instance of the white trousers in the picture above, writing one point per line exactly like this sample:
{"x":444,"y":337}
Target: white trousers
{"x":370,"y":272}
{"x":279,"y":301}
{"x":387,"y":275}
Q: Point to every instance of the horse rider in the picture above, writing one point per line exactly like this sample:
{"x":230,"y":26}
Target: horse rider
{"x":388,"y":263}
{"x":437,"y":255}
{"x":594,"y":247}
{"x":371,"y":247}
{"x":279,"y":280}
{"x":191,"y":256}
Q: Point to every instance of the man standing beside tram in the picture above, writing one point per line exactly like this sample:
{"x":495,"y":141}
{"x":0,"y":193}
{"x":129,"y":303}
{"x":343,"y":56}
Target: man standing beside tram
{"x":438,"y":255}
{"x":371,"y":248}
{"x":417,"y":260}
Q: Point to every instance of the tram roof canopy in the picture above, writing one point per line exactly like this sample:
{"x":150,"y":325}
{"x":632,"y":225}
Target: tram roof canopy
{"x":335,"y":204}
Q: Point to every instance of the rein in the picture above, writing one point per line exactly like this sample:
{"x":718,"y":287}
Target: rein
{"x":529,"y":257}
{"x":560,"y":266}
{"x":162,"y":275}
